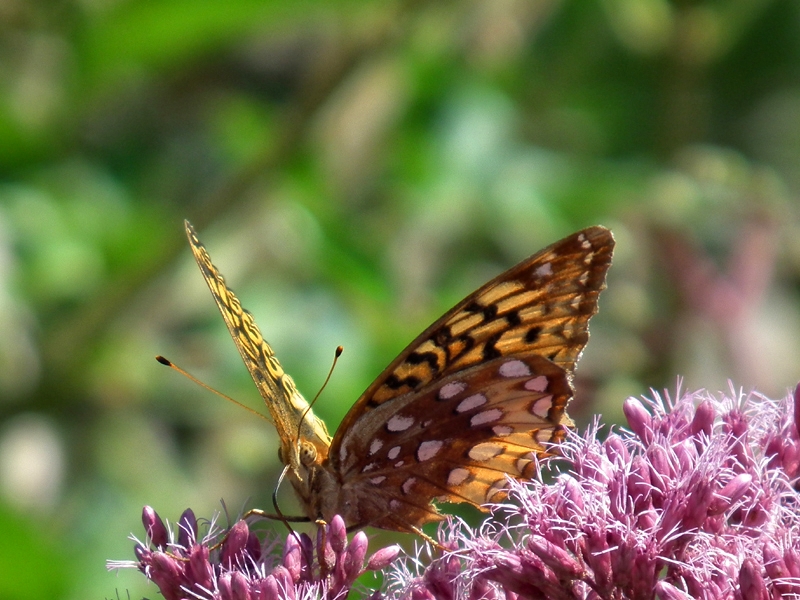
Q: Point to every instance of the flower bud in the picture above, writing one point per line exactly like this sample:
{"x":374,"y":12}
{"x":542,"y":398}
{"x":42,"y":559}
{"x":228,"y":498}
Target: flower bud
{"x":750,"y":581}
{"x":234,"y":544}
{"x":639,"y":420}
{"x":337,"y":534}
{"x":703,"y":421}
{"x":730,"y":494}
{"x":187,"y":528}
{"x":353,"y":560}
{"x":154,"y":527}
{"x":667,"y":591}
{"x":383,"y":558}
{"x":559,"y":560}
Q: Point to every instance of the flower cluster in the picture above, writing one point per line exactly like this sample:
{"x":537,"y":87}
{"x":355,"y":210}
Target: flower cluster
{"x":241,"y":568}
{"x":699,"y":501}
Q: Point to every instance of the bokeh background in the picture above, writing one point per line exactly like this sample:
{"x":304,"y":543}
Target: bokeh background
{"x":355,"y":168}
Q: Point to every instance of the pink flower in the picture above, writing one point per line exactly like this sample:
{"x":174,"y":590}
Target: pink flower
{"x":241,"y":568}
{"x":697,"y":501}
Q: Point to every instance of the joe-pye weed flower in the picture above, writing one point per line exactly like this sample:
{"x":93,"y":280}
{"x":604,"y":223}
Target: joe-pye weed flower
{"x":697,"y":500}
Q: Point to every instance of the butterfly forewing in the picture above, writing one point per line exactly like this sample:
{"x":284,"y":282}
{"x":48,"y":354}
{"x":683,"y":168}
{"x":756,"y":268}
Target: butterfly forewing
{"x":285,"y":403}
{"x":476,"y":397}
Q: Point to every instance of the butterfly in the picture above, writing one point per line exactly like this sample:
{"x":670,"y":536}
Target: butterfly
{"x":477,"y":396}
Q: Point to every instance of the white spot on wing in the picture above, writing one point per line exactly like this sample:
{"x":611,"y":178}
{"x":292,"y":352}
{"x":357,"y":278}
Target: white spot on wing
{"x":485,"y":451}
{"x":399,"y":423}
{"x":542,"y":406}
{"x":544,"y":270}
{"x":394,"y":453}
{"x":514,"y":368}
{"x":457,"y":476}
{"x":502,"y":430}
{"x":473,"y":401}
{"x":524,"y":461}
{"x":428,"y":449}
{"x":375,"y":446}
{"x":451,"y":389}
{"x":378,"y":480}
{"x":497,"y":487}
{"x":537,"y":384}
{"x":544,"y":435}
{"x":408,"y":485}
{"x":486,"y":416}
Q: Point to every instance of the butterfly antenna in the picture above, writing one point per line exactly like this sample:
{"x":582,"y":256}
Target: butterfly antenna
{"x":336,"y":356}
{"x":191,"y":377}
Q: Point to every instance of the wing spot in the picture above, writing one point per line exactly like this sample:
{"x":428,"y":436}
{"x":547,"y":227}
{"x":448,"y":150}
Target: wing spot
{"x":544,"y":270}
{"x":543,"y":435}
{"x":537,"y":384}
{"x":485,"y":451}
{"x":457,"y":476}
{"x":375,"y":446}
{"x":541,"y":407}
{"x":394,"y":505}
{"x":416,"y":358}
{"x":486,"y":416}
{"x":473,"y":307}
{"x":428,"y":449}
{"x":502,"y":430}
{"x":514,"y":368}
{"x":512,"y":318}
{"x":473,"y":401}
{"x":584,"y":279}
{"x":399,"y":423}
{"x":489,"y":350}
{"x":369,"y":467}
{"x":378,"y":480}
{"x":532,"y":335}
{"x":498,"y":487}
{"x":399,"y":464}
{"x":523,"y":462}
{"x":451,"y":389}
{"x":395,"y":383}
{"x":490,"y":312}
{"x":408,"y":485}
{"x":394,"y":453}
{"x":442,"y":337}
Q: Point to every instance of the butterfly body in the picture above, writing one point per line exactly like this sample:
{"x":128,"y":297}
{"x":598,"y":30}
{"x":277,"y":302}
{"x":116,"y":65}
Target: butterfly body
{"x":474,"y":398}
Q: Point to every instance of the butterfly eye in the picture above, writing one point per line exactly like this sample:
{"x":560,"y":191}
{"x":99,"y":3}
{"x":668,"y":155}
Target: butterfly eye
{"x":308,"y":453}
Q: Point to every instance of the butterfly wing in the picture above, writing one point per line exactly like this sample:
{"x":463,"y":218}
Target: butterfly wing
{"x":478,"y":394}
{"x":288,"y":408}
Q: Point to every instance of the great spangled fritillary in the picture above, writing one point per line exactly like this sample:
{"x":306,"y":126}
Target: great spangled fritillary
{"x":474,"y":398}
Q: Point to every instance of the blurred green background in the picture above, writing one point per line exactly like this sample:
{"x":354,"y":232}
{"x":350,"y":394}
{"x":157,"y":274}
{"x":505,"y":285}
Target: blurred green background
{"x":355,"y":168}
